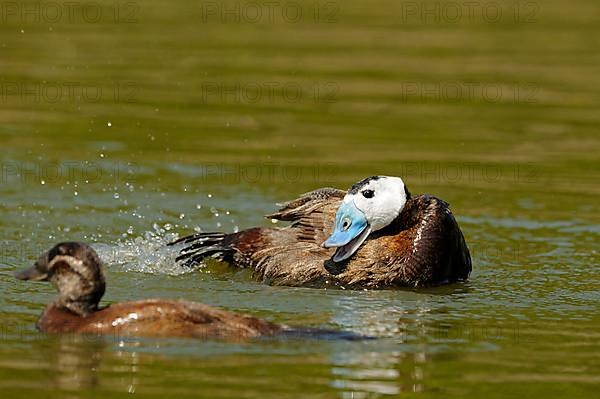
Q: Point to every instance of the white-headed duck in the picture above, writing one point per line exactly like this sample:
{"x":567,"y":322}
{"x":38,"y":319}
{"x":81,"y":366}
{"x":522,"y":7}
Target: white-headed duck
{"x":375,"y":235}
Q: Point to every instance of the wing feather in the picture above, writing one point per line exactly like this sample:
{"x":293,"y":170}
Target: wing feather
{"x":312,"y":215}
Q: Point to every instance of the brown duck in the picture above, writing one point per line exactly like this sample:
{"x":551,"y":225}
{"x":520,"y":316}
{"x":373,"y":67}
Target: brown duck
{"x":77,"y":272}
{"x":375,"y":235}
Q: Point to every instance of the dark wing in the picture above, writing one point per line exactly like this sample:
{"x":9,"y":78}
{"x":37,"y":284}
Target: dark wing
{"x":312,"y":217}
{"x":439,"y":253}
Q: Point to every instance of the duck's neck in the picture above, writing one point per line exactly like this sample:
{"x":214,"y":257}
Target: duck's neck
{"x":405,"y":220}
{"x":79,"y":296}
{"x":80,"y":307}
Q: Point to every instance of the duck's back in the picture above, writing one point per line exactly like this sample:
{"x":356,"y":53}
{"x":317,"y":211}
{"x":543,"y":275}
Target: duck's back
{"x":157,"y":318}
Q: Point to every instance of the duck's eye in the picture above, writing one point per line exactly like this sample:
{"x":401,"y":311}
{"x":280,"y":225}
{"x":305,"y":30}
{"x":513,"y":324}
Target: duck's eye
{"x":346,"y":223}
{"x":368,"y":193}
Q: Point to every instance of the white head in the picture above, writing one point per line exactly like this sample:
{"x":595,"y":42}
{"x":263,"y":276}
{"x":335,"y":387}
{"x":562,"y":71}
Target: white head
{"x":380,"y":198}
{"x":370,"y":205}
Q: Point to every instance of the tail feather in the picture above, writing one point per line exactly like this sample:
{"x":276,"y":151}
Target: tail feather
{"x":197,"y":237}
{"x":200,"y":246}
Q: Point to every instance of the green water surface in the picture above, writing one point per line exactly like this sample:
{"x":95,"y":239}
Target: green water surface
{"x":151,"y":119}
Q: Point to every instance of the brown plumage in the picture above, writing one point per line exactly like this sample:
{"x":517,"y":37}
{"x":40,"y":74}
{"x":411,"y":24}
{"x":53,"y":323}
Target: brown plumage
{"x":77,"y":272}
{"x":422,"y":246}
{"x":157,"y":318}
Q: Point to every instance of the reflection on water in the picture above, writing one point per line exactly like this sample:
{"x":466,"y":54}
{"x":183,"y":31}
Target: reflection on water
{"x":75,"y":362}
{"x":78,"y":363}
{"x":359,"y":373}
{"x":359,"y":370}
{"x":84,"y":363}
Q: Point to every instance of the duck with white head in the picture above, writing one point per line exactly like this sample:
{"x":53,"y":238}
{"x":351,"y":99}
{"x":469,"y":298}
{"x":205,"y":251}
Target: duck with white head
{"x":375,"y":235}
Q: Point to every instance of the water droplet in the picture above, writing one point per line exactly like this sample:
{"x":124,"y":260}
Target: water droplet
{"x":181,"y":216}
{"x":209,"y":195}
{"x":116,"y":195}
{"x":130,"y":230}
{"x":76,"y":193}
{"x":109,"y":124}
{"x":198,"y":206}
{"x":43,"y":182}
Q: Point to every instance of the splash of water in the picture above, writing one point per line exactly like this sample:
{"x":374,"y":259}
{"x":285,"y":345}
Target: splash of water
{"x":147,"y":253}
